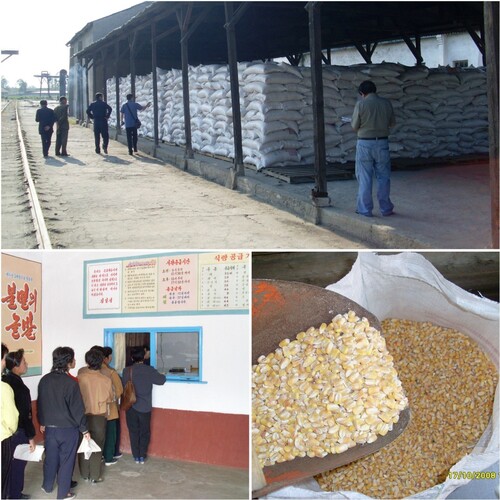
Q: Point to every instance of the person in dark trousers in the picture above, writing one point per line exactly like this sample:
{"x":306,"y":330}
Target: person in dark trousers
{"x":61,"y":414}
{"x":46,"y":118}
{"x":129,"y":119}
{"x":372,"y":118}
{"x":113,"y":416}
{"x":100,"y":111}
{"x":16,"y":365}
{"x":97,"y":394}
{"x":61,"y":113}
{"x":139,"y":415}
{"x":10,"y":418}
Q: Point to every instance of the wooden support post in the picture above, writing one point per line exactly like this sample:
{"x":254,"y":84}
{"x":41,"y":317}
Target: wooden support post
{"x":87,"y":97}
{"x":231,"y":19}
{"x":491,"y":12}
{"x":414,"y":48}
{"x":327,"y":59}
{"x":104,"y":79}
{"x":479,"y":41}
{"x":93,"y":67}
{"x":155,"y":87}
{"x":320,"y":191}
{"x":132,"y":63}
{"x":79,"y":91}
{"x":117,"y":91}
{"x":183,"y":17}
{"x":366,"y":51}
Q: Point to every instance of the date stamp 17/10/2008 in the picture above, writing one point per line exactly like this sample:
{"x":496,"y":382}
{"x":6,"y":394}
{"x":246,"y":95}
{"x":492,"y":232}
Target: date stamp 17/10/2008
{"x":472,"y":475}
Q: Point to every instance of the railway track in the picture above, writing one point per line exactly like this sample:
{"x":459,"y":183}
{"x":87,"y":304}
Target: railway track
{"x":22,"y":218}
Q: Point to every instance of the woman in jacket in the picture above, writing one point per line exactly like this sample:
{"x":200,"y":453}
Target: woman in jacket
{"x":97,"y":394}
{"x":109,"y":451}
{"x":16,"y":365}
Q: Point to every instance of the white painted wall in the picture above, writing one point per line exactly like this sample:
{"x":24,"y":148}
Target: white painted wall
{"x":226,"y":337}
{"x":440,"y":50}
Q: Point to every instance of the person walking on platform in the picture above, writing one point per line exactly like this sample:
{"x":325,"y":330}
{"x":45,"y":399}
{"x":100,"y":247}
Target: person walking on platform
{"x":130,"y":120}
{"x":46,"y":118}
{"x":372,"y":118}
{"x":139,"y":415}
{"x":61,"y":113}
{"x":97,"y":394}
{"x":25,"y":434}
{"x":100,"y":111}
{"x":61,"y":414}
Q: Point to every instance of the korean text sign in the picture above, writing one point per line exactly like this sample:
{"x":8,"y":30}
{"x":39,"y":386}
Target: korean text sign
{"x":22,"y":309}
{"x":165,"y":284}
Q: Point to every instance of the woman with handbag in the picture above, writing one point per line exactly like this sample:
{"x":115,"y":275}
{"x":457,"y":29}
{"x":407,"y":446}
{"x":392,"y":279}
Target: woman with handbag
{"x":131,"y":121}
{"x":139,"y":414}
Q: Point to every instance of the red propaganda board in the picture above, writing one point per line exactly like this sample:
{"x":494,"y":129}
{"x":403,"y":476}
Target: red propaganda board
{"x":22,"y":309}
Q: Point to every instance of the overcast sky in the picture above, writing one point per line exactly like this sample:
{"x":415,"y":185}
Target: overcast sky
{"x":40,"y":31}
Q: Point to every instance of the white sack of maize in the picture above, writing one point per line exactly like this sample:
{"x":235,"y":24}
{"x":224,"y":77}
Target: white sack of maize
{"x":408,"y":286}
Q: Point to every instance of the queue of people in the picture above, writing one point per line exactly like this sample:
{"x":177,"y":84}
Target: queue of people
{"x":71,"y":409}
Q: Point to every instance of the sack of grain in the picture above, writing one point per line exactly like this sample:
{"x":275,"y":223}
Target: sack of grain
{"x":408,"y":286}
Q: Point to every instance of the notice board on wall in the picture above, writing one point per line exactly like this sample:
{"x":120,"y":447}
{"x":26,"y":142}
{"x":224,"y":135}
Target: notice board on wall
{"x":22,"y":309}
{"x":164,"y":284}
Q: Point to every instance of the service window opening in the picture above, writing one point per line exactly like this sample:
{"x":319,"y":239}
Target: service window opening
{"x":176,"y":352}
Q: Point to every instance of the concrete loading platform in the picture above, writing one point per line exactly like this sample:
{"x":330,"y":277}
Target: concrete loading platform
{"x":443,"y":206}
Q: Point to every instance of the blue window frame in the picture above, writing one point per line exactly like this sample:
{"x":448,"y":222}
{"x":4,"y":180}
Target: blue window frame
{"x":177,"y":352}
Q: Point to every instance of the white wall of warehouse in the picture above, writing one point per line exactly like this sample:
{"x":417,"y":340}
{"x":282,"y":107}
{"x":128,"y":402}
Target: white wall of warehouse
{"x":439,"y":50}
{"x":226,"y":337}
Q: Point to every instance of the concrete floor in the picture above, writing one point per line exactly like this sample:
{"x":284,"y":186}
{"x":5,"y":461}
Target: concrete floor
{"x":157,"y":478}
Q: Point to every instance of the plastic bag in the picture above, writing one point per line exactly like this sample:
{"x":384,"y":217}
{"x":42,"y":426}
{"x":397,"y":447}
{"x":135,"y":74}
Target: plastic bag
{"x":87,"y":447}
{"x":407,"y":286}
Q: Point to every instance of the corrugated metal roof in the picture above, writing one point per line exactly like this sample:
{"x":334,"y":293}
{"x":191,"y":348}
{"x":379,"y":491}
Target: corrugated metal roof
{"x":277,"y":29}
{"x":105,"y":25}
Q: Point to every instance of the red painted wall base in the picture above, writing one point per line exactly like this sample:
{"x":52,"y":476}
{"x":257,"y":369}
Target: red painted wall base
{"x":195,"y":436}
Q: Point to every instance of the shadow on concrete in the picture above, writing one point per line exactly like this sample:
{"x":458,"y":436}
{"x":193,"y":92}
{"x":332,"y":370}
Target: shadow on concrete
{"x":74,"y":161}
{"x":53,"y":162}
{"x":116,"y":160}
{"x":147,"y":159}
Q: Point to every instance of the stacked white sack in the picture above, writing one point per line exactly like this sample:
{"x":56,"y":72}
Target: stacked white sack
{"x":273,"y":101}
{"x":210,"y":109}
{"x":143,"y":93}
{"x":439,"y":112}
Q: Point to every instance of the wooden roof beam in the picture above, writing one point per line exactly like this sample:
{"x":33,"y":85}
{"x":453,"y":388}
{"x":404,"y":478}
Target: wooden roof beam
{"x":366,"y":50}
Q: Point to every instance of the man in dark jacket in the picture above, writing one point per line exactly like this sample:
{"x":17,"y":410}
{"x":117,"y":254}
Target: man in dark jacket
{"x":46,"y":119}
{"x":61,"y":113}
{"x":61,"y":414}
{"x":139,"y":415}
{"x":100,"y":111}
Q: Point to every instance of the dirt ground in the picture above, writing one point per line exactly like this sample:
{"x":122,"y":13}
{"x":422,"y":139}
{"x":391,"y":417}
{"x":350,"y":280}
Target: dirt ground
{"x":121,"y":201}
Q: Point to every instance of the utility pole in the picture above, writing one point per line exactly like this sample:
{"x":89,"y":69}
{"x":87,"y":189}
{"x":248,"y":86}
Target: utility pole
{"x":9,"y":53}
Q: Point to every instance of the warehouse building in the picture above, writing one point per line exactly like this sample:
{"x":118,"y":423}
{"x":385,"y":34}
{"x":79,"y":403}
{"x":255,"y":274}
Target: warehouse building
{"x":161,"y":51}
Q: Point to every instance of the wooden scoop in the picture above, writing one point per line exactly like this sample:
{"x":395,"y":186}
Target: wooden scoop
{"x":281,"y":309}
